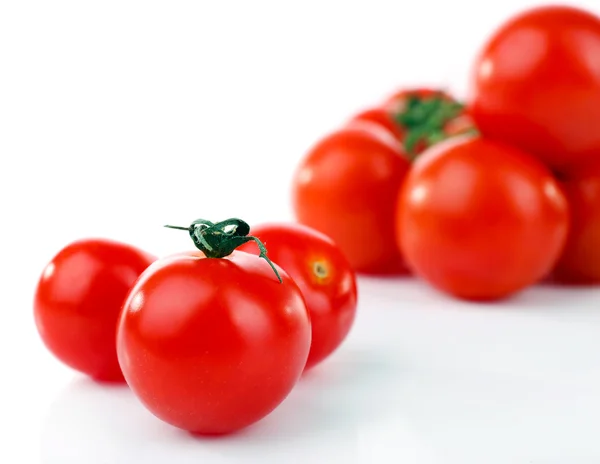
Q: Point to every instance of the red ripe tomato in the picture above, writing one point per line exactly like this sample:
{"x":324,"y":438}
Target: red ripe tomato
{"x":419,"y":118}
{"x":213,"y":342}
{"x":346,"y":188}
{"x":580,"y":261}
{"x":536,"y":85}
{"x":380,"y":117}
{"x":324,"y":276}
{"x":481,"y":220}
{"x":78,"y":299}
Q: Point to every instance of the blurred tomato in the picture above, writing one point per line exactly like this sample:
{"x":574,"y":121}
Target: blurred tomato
{"x":480,"y":220}
{"x":419,"y":118}
{"x":346,"y":187}
{"x":580,"y":261}
{"x":536,"y":85}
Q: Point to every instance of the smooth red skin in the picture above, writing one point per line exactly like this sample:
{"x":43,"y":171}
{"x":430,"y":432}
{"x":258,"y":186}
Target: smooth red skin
{"x":346,"y":188}
{"x":383,"y":118}
{"x":536,"y":85}
{"x":78,"y":300}
{"x":481,"y":220}
{"x":212,"y":345}
{"x":580,"y":260}
{"x":331,"y":300}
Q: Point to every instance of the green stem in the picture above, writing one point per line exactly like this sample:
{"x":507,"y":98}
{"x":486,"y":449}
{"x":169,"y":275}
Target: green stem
{"x":217,"y":240}
{"x":424,"y":118}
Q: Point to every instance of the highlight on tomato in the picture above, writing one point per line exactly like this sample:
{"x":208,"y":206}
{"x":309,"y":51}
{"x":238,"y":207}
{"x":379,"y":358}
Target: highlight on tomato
{"x":481,"y":220}
{"x":78,"y":299}
{"x":213,"y":342}
{"x":324,"y":276}
{"x":535,"y":84}
{"x":346,"y":187}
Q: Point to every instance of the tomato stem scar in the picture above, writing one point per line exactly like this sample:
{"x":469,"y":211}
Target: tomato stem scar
{"x":217,"y":240}
{"x":425,"y":118}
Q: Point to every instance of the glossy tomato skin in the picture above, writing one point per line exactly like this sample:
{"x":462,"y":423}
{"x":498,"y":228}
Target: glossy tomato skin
{"x":481,"y":220}
{"x":536,"y":85}
{"x":381,"y":117}
{"x":324,"y":276}
{"x":580,"y":260}
{"x":346,"y":188}
{"x":212,"y":345}
{"x":78,"y":299}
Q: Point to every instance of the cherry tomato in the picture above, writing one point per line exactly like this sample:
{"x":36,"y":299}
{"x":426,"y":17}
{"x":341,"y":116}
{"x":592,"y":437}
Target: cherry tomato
{"x":78,"y":299}
{"x":324,"y":276}
{"x":536,"y":85}
{"x":481,"y":220}
{"x":419,"y":118}
{"x":213,"y":342}
{"x":380,"y":117}
{"x":580,"y":261}
{"x":346,"y":188}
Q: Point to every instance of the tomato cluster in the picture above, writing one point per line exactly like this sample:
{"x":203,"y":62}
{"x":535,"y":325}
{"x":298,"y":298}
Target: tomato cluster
{"x":484,"y":197}
{"x":211,"y":340}
{"x":480,"y":198}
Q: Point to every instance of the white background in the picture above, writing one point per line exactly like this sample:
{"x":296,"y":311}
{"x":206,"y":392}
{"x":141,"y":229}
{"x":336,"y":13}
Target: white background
{"x":117,"y":117}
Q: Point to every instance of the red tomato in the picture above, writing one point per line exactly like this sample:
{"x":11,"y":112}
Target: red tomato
{"x":536,"y":85}
{"x":481,"y":220}
{"x":324,"y":276}
{"x":78,"y":299}
{"x":580,"y":261}
{"x":419,"y":118}
{"x":346,"y":188}
{"x":213,"y":344}
{"x":383,"y":118}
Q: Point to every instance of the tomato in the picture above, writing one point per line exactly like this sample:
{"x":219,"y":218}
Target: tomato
{"x":481,"y":220}
{"x":536,"y":85}
{"x":580,"y":261}
{"x":346,"y":188}
{"x":212,"y":342}
{"x":381,"y":117}
{"x":419,"y":118}
{"x":324,"y":276}
{"x":78,"y":299}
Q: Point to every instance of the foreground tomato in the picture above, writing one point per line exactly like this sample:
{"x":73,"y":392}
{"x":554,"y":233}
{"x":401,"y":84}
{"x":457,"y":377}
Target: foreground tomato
{"x":481,"y":220}
{"x":419,"y":118}
{"x":580,"y":261}
{"x":213,"y":342}
{"x":324,"y":276}
{"x":346,"y":188}
{"x":536,"y":85}
{"x":78,"y":299}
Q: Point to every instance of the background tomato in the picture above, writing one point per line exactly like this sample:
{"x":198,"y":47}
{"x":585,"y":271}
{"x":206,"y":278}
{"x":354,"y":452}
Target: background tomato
{"x":481,"y":220}
{"x":324,"y":276}
{"x":212,"y":345}
{"x":346,"y":188}
{"x":78,"y":299}
{"x":536,"y":84}
{"x":580,"y":261}
{"x":419,"y":118}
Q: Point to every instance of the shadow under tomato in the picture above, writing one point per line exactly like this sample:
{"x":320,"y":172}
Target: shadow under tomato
{"x":95,"y":422}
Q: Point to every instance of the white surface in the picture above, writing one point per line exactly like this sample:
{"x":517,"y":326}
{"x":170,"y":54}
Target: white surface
{"x":118,"y":116}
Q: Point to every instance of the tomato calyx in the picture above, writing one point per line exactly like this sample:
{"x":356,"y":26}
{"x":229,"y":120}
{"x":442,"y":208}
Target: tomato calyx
{"x":220,"y":239}
{"x":425,"y":120}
